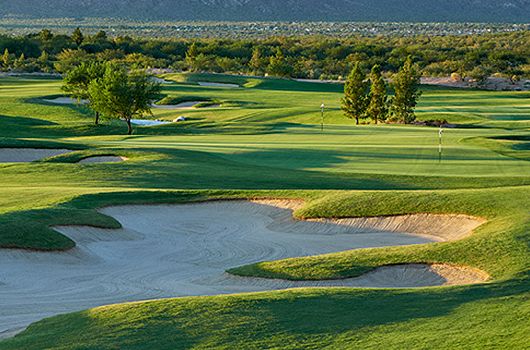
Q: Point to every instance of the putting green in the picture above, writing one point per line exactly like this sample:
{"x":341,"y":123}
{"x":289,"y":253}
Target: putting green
{"x":265,"y":141}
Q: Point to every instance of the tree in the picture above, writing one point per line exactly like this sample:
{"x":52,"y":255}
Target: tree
{"x":355,"y":99}
{"x":101,"y":36}
{"x":122,"y":94}
{"x":191,"y":57}
{"x":77,"y":81}
{"x":44,"y":61}
{"x":69,"y":59}
{"x":278,"y":65}
{"x":78,"y":37}
{"x":45,"y":35}
{"x":6,"y":59}
{"x":19,"y":62}
{"x":378,"y":104}
{"x":257,"y":62}
{"x":406,"y":93}
{"x":480,"y":74}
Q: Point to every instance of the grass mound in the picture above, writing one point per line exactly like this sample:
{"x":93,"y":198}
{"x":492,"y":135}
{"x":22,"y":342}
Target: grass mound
{"x":175,"y":100}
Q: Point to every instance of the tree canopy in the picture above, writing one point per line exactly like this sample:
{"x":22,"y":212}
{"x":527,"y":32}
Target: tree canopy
{"x":378,"y":100}
{"x":355,"y":99}
{"x":406,"y":93}
{"x":122,"y":94}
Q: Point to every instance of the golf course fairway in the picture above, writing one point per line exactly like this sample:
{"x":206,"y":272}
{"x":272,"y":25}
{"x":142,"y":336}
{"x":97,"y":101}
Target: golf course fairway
{"x":248,"y":226}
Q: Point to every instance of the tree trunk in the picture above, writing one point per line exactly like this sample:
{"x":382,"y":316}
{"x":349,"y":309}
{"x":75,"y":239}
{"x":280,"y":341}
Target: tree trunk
{"x":129,"y":126}
{"x":97,"y":118}
{"x":356,"y":120}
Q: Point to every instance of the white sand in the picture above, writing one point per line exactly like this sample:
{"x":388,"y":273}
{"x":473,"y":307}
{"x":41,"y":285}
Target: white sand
{"x":147,"y":122}
{"x":180,"y":250}
{"x":66,"y":101}
{"x":223,"y":85}
{"x":20,"y":155}
{"x":102,"y":159}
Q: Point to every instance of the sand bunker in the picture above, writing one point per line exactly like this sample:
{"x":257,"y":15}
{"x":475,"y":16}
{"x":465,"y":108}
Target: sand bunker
{"x":180,"y":250}
{"x":223,"y":85}
{"x":20,"y":155}
{"x":102,"y":159}
{"x":147,"y":122}
{"x":66,"y":101}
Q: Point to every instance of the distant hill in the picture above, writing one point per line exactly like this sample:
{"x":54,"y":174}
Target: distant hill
{"x":278,"y":10}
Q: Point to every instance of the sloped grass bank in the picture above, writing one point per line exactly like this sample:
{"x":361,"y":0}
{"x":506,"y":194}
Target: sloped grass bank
{"x":499,"y":246}
{"x":482,"y":316}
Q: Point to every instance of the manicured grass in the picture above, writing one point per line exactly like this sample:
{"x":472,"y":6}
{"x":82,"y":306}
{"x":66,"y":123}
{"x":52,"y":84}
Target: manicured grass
{"x":265,"y":141}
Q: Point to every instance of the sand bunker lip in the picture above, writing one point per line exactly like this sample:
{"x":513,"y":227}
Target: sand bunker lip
{"x":392,"y":276}
{"x":23,"y":155}
{"x":102,"y":159}
{"x":223,"y":85}
{"x":172,"y":250}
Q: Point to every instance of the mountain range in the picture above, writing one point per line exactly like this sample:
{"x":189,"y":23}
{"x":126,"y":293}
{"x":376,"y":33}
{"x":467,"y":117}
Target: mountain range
{"x":277,"y":10}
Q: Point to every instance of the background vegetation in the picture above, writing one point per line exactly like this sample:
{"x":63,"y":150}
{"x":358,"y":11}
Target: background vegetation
{"x":474,"y":56}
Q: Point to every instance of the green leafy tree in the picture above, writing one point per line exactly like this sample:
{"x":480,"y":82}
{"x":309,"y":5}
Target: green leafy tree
{"x":257,"y":62}
{"x":378,"y":99}
{"x":6,"y":59}
{"x":191,"y":57}
{"x":355,"y":100}
{"x":69,"y":59}
{"x":480,"y":74}
{"x":44,"y":62}
{"x":77,"y":81}
{"x":139,"y":61}
{"x":20,"y":62}
{"x":406,"y":93}
{"x":45,"y":35}
{"x":78,"y":37}
{"x":101,"y":36}
{"x":278,"y":65}
{"x":122,"y":94}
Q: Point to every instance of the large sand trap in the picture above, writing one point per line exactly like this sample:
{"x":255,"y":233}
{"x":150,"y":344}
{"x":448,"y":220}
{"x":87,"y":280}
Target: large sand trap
{"x":223,"y":85}
{"x":179,"y":250}
{"x":102,"y":159}
{"x":20,"y":155}
{"x":148,"y":122}
{"x":66,"y":101}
